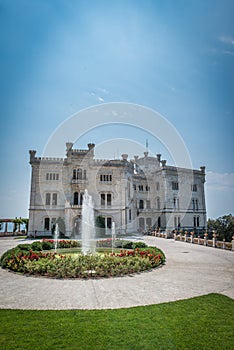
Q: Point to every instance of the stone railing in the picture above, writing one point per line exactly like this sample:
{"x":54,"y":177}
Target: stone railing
{"x":190,"y":238}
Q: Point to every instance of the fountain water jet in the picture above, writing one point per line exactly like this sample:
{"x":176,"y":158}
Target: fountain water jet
{"x":56,"y":236}
{"x":113,"y":235}
{"x":88,"y":236}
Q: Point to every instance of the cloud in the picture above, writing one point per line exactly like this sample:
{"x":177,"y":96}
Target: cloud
{"x":226,"y":39}
{"x":97,"y":94}
{"x":228,"y":53}
{"x":219,"y":181}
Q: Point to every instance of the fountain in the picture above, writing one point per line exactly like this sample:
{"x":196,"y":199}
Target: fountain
{"x":88,"y":238}
{"x":113,"y":235}
{"x":56,"y":236}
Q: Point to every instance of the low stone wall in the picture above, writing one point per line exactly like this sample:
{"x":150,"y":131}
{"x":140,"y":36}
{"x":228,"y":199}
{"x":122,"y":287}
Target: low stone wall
{"x":190,"y":238}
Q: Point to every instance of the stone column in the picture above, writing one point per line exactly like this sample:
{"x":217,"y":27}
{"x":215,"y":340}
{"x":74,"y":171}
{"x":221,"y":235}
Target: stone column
{"x":205,"y":238}
{"x":192,"y":234}
{"x":214,"y":239}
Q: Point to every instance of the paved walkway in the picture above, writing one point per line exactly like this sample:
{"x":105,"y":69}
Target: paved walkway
{"x":190,"y":270}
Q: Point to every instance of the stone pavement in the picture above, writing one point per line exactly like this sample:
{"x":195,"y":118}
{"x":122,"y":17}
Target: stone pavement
{"x":190,"y":271}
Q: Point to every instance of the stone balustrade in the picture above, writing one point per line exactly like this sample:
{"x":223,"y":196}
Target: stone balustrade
{"x":190,"y":238}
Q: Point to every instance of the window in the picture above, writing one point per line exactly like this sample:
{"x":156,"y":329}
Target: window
{"x":148,"y":222}
{"x":157,"y":186}
{"x":134,"y":187}
{"x":108,"y":199}
{"x":177,"y":221}
{"x":196,"y":202}
{"x":75,"y":201}
{"x":109,"y":222}
{"x":195,"y":221}
{"x":198,"y":223}
{"x":158,"y":203}
{"x":105,"y":178}
{"x":47,"y":202}
{"x":175,"y":186}
{"x":148,"y":204}
{"x":140,"y":187}
{"x":176,"y":203}
{"x":81,"y":198}
{"x":130,"y":215}
{"x":52,"y":176}
{"x":193,"y":204}
{"x":194,"y":188}
{"x":79,"y":174}
{"x":47,"y":224}
{"x":54,"y":199}
{"x":147,"y":188}
{"x":78,"y":198}
{"x":103,"y":199}
{"x":159,"y":221}
{"x":141,"y":204}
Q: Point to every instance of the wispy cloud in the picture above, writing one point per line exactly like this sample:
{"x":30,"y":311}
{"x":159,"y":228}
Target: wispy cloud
{"x":99,"y":94}
{"x":226,"y":39}
{"x":219,"y":181}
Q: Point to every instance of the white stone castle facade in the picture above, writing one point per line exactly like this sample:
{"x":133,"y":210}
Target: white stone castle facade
{"x":135,"y":194}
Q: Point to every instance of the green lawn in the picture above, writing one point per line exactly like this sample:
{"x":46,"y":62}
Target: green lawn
{"x":200,"y":323}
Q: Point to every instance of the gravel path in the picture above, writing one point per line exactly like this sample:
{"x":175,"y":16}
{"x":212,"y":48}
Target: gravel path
{"x":190,"y":270}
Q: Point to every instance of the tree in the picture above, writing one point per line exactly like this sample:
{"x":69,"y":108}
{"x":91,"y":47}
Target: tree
{"x":61,"y":226}
{"x":100,"y":221}
{"x":224,"y":226}
{"x":100,"y":224}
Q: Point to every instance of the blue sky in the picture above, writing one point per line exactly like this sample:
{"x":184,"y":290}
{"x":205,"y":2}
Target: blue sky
{"x":58,"y":57}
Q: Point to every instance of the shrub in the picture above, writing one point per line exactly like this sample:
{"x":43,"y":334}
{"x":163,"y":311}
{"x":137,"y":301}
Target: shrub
{"x":36,"y":246}
{"x":46,"y":245}
{"x":139,"y":245}
{"x":24,"y":247}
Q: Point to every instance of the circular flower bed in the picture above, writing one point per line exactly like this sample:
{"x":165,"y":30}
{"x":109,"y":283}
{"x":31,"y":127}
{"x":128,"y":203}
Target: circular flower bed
{"x":33,"y":259}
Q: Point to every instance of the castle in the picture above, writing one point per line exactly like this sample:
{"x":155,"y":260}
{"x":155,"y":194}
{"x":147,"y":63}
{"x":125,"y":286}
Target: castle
{"x":137,"y":194}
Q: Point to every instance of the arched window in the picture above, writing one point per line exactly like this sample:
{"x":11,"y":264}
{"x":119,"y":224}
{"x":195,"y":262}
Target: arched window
{"x":75,"y":198}
{"x":47,"y":224}
{"x":81,"y":198}
{"x":74,"y":174}
{"x":109,"y":222}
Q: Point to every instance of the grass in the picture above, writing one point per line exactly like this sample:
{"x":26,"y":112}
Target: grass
{"x":205,"y":322}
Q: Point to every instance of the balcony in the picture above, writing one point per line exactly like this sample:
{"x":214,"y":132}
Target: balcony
{"x":79,"y":182}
